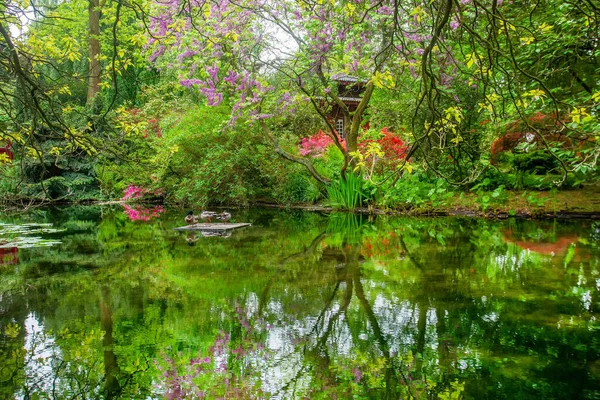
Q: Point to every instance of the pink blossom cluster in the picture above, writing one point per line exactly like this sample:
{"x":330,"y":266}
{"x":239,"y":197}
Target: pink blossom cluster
{"x":138,"y":213}
{"x":316,"y":144}
{"x":136,"y":192}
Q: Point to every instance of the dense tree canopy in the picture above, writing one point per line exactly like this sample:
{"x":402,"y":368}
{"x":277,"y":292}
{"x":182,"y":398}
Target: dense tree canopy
{"x":474,"y":92}
{"x":463,"y":63}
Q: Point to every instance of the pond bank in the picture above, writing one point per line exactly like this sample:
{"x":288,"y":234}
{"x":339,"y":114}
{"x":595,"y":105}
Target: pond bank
{"x":446,"y":212}
{"x":580,"y":203}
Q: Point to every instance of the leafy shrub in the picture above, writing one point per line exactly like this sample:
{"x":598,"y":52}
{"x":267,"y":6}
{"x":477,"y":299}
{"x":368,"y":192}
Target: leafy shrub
{"x":415,"y":190}
{"x":519,"y":180}
{"x":201,"y":160}
{"x":536,"y":162}
{"x":297,"y":187}
{"x":330,"y":164}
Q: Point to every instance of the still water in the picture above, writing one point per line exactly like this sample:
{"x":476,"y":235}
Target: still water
{"x":111,"y":302}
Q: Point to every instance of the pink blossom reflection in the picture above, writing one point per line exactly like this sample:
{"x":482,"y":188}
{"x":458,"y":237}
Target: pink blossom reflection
{"x":137,"y":213}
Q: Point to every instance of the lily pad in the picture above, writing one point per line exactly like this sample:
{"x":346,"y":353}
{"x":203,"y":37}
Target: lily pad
{"x":28,"y":242}
{"x":14,"y":235}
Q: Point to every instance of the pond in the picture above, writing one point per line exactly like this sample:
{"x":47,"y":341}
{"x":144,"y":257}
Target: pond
{"x":111,"y":302}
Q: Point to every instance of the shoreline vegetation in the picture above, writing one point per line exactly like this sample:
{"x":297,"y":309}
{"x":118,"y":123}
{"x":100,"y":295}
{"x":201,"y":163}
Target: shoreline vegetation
{"x":565,"y":204}
{"x":360,"y":112}
{"x":576,"y":203}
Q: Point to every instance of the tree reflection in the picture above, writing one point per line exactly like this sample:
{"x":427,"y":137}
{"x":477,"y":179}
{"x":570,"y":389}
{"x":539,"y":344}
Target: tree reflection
{"x":303,"y":306}
{"x":393,"y":376}
{"x":112,"y":388}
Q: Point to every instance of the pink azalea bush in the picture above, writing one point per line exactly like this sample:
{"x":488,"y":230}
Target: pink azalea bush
{"x":137,"y":192}
{"x":316,"y":144}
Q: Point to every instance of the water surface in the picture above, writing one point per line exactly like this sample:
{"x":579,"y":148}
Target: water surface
{"x":113,"y":303}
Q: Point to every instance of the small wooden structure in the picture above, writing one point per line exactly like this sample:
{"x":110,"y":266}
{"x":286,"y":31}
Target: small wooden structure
{"x":213,"y":226}
{"x":350,"y":90}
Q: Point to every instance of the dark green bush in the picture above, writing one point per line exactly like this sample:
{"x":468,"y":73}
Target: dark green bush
{"x":535,"y":162}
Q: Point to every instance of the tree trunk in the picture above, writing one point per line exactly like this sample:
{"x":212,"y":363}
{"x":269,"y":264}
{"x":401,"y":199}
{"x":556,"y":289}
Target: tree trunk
{"x":94,"y":68}
{"x":357,"y":122}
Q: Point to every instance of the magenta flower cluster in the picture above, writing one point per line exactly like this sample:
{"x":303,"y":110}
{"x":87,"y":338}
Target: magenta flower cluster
{"x":137,"y":213}
{"x":137,"y":192}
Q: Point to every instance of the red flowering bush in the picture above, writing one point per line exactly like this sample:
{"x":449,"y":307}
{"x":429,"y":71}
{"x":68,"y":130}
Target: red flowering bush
{"x":392,"y":145}
{"x":385,"y":152}
{"x":376,"y":151}
{"x":394,"y":148}
{"x":519,"y":132}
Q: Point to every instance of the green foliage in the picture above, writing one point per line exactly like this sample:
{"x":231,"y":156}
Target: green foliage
{"x":533,"y":199}
{"x":414,"y":191}
{"x":330,"y":164}
{"x":519,"y":180}
{"x":497,"y":196}
{"x":297,"y":187}
{"x":71,"y":151}
{"x":9,"y":182}
{"x":197,"y":158}
{"x":202,"y":161}
{"x":52,"y":177}
{"x":57,"y":138}
{"x":535,"y":162}
{"x":454,"y":392}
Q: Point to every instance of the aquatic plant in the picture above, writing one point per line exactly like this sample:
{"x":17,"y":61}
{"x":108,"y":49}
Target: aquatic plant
{"x":347,"y":193}
{"x":17,"y":236}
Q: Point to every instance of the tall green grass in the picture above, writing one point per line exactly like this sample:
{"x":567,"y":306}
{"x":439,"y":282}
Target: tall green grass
{"x":347,"y":194}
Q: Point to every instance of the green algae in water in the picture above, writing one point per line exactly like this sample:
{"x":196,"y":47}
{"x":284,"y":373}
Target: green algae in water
{"x":304,"y":306}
